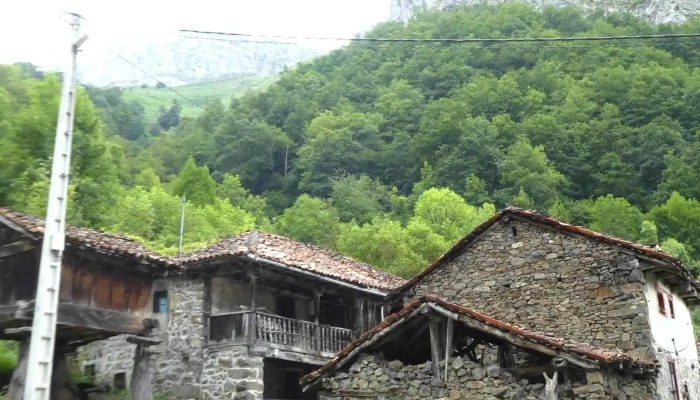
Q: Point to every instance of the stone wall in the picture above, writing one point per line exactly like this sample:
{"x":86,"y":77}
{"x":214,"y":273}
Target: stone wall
{"x":231,"y":374}
{"x":177,"y":367}
{"x":371,"y":375}
{"x":560,"y":285}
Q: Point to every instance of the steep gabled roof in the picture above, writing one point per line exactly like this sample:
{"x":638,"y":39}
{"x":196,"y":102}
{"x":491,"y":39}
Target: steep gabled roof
{"x":590,"y":356}
{"x":304,"y":256}
{"x":672,"y":264}
{"x":89,"y":238}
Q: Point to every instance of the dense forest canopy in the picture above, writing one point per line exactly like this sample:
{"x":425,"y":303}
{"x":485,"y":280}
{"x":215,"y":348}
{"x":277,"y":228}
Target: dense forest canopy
{"x":390,"y":152}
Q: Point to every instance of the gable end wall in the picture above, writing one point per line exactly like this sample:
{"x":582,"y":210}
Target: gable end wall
{"x":549,"y":282}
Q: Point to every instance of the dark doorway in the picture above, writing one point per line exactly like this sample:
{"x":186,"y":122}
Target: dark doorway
{"x":281,"y":380}
{"x":285,"y":307}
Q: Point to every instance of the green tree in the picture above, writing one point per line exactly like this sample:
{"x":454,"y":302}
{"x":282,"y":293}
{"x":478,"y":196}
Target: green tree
{"x":195,"y":184}
{"x":448,"y":215}
{"x":616,"y":217}
{"x":383,"y":243}
{"x":679,"y":218}
{"x":310,"y":220}
{"x":147,"y":179}
{"x":527,"y":168}
{"x":475,"y":191}
{"x":359,"y":199}
{"x":648,"y":234}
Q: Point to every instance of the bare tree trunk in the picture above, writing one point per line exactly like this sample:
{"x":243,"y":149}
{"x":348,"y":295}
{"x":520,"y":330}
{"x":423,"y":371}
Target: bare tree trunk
{"x":19,"y":375}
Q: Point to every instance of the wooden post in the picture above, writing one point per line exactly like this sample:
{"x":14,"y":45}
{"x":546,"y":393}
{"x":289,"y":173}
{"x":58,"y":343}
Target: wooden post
{"x":19,"y":375}
{"x":435,"y":348}
{"x":252,"y":320}
{"x":140,"y":386}
{"x":60,"y":378}
{"x":317,"y":317}
{"x":448,"y":342}
{"x":550,"y":388}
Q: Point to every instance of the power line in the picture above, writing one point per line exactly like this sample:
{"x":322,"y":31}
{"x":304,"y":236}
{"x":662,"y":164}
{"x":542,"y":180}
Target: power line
{"x":450,"y":40}
{"x":500,"y":46}
{"x":143,"y":71}
{"x":155,"y":79}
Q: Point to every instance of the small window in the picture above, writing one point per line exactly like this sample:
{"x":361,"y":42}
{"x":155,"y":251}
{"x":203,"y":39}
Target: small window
{"x":674,"y":380}
{"x":160,"y":302}
{"x":119,"y":381}
{"x":662,"y":303}
{"x":89,"y":370}
{"x":671,"y":311}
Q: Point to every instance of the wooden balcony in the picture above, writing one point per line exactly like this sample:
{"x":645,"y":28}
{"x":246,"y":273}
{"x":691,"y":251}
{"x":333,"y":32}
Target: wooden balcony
{"x":258,"y":328}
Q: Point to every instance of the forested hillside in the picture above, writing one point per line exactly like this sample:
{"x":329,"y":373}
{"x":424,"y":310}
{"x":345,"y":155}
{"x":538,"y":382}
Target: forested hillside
{"x":391,"y":152}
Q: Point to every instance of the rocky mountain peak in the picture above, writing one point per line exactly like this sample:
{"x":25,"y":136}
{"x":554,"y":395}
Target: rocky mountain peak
{"x":656,"y":11}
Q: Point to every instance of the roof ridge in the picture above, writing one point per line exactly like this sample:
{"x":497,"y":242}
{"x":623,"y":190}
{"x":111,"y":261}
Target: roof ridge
{"x":312,"y":246}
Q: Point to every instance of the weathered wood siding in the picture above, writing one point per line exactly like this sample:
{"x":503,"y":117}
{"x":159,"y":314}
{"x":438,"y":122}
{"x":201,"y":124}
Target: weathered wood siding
{"x":89,"y":283}
{"x":86,"y":282}
{"x":18,"y":275}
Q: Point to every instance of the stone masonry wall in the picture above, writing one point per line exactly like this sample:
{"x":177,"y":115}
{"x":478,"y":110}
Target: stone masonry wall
{"x":370,"y":375}
{"x":177,"y":367}
{"x":550,"y":282}
{"x":232,"y":374}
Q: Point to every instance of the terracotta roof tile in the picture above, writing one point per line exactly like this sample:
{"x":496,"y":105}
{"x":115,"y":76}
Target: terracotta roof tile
{"x":675,"y":264}
{"x":101,"y":241}
{"x":295,"y":254}
{"x":598,"y":355}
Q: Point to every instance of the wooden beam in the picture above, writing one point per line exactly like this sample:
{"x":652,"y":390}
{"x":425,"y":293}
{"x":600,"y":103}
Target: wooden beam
{"x":143,"y":340}
{"x":92,"y":318}
{"x":448,"y":342}
{"x":435,"y":348}
{"x":16,"y":248}
{"x":12,"y":225}
{"x":516,"y":340}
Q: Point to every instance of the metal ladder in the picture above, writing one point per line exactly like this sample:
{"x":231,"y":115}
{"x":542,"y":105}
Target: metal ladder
{"x":43,"y":337}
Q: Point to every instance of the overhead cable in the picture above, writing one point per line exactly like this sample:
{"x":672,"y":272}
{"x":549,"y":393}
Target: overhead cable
{"x":454,"y":40}
{"x":500,"y":46}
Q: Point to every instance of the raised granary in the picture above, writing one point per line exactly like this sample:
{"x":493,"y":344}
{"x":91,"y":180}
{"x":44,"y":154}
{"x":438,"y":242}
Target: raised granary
{"x":105,"y":289}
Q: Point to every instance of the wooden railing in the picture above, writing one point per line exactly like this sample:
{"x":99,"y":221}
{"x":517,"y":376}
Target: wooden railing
{"x":287,"y":332}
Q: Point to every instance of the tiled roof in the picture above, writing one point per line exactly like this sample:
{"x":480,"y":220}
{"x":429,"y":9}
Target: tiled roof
{"x":90,"y":238}
{"x":295,"y":254}
{"x":675,"y":264}
{"x":596,"y":355}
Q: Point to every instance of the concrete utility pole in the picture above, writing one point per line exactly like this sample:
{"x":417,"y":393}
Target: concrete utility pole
{"x":182,"y":226}
{"x":43,"y":339}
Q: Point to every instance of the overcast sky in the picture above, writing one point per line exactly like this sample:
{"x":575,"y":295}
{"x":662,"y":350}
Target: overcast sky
{"x":32,"y":31}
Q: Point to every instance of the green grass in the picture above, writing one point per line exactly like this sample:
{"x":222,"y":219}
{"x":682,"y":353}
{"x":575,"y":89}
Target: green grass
{"x":153,"y":98}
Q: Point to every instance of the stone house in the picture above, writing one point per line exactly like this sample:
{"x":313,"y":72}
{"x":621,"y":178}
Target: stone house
{"x":573,"y":286}
{"x":248,"y":316}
